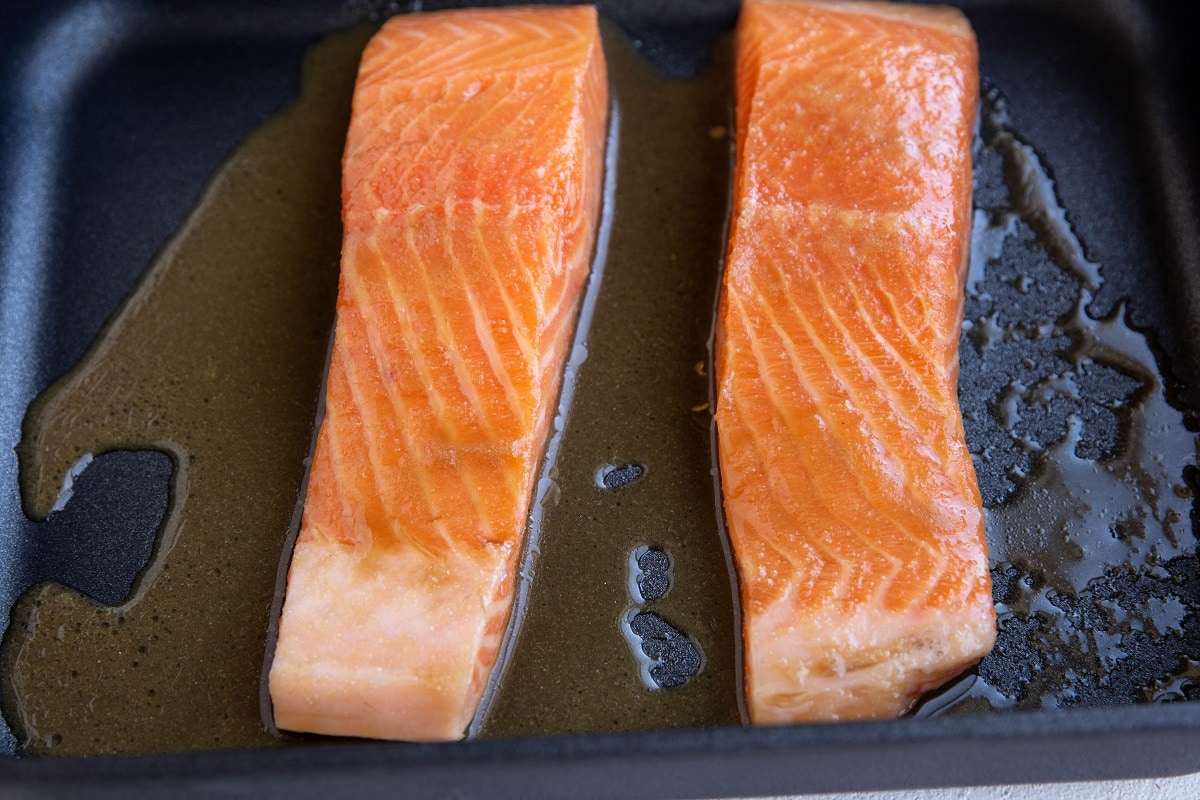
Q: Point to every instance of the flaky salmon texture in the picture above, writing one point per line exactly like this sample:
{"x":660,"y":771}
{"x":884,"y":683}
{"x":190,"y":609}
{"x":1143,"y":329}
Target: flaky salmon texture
{"x":850,"y":496}
{"x":471,"y":191}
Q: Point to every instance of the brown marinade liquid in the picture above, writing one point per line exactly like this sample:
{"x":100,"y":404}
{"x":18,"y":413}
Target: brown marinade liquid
{"x":216,"y":358}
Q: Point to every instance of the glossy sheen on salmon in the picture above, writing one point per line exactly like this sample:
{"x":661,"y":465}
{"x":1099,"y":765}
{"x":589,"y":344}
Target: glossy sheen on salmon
{"x":850,"y":496}
{"x":471,"y":192}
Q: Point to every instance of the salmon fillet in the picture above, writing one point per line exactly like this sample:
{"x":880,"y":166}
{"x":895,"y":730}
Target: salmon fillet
{"x":472,"y":180}
{"x":850,"y":496}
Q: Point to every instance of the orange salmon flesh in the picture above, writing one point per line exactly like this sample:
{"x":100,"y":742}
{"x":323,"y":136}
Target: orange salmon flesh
{"x":850,"y":496}
{"x":471,"y":193}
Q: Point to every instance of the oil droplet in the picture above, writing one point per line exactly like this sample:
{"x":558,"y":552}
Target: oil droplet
{"x":616,"y":476}
{"x":668,"y":657}
{"x":649,"y":574}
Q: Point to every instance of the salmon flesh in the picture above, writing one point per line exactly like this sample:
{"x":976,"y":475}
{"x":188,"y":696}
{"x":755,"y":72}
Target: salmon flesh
{"x":850,"y":497}
{"x":471,"y":193}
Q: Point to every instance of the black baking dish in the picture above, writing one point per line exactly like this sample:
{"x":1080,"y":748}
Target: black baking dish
{"x":113,"y":116}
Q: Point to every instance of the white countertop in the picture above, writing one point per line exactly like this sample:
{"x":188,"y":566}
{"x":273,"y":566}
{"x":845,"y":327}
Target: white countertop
{"x":1186,"y":787}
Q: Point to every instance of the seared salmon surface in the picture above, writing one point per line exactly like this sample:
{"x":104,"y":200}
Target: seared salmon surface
{"x":850,"y":496}
{"x":471,"y":194}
